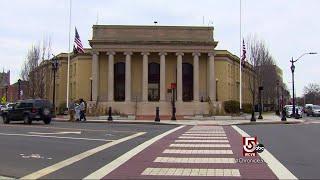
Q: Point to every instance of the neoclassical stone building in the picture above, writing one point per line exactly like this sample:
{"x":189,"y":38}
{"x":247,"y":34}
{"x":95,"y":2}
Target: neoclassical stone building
{"x":132,"y":69}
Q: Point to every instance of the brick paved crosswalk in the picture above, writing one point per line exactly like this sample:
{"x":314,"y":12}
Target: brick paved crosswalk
{"x":198,"y":152}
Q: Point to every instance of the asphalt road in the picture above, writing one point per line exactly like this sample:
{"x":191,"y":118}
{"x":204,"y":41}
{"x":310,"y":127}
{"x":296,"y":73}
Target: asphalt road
{"x":295,"y":146}
{"x":25,"y":149}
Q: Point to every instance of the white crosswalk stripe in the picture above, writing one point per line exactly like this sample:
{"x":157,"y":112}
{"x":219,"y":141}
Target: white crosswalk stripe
{"x":204,"y":135}
{"x":190,"y":172}
{"x":204,"y":140}
{"x":197,"y":137}
{"x":200,"y":145}
{"x":196,"y":151}
{"x":194,"y":160}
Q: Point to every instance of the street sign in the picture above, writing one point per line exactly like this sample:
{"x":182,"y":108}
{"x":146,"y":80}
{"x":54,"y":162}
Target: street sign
{"x":173,"y":85}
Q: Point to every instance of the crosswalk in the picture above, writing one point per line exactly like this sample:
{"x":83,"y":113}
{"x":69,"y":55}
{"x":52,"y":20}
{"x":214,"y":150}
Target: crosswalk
{"x":200,"y":145}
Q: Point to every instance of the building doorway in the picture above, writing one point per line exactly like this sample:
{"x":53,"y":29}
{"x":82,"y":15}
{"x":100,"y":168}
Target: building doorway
{"x":153,"y":81}
{"x":187,"y":82}
{"x":119,"y":81}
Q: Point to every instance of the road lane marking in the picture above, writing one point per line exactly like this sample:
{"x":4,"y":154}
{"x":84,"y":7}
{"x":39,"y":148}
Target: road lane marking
{"x":275,"y":165}
{"x":62,"y":128}
{"x":56,"y":137}
{"x":206,"y":160}
{"x":190,"y":172}
{"x":69,"y":161}
{"x":62,"y":132}
{"x":105,"y":170}
{"x":196,"y":151}
{"x":200,"y":145}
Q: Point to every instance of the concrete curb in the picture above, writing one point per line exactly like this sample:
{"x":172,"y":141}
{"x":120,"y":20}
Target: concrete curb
{"x":276,"y":122}
{"x":224,"y":123}
{"x":120,"y":122}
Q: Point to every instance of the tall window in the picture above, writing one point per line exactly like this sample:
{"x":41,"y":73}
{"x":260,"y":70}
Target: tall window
{"x":187,"y":82}
{"x":119,"y":81}
{"x":154,"y":81}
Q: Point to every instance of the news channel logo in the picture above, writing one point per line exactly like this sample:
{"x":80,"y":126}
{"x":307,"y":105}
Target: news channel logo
{"x":251,"y":146}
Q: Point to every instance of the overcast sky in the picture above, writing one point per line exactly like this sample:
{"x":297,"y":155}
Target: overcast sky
{"x":289,"y":27}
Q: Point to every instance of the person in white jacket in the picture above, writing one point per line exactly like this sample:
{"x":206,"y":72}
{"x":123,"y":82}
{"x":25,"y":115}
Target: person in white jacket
{"x":77,"y":112}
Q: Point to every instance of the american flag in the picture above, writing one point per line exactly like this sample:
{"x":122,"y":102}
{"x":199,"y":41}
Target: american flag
{"x":244,"y":51}
{"x":77,"y":48}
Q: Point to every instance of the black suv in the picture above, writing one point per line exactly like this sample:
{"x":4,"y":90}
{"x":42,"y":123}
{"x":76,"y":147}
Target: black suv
{"x":29,"y":110}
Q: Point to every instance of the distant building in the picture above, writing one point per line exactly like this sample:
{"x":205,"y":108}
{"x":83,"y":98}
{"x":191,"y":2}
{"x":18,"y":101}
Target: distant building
{"x":13,"y":91}
{"x":4,"y":83}
{"x":132,"y":68}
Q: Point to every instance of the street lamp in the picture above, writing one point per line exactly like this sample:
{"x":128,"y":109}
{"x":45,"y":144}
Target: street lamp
{"x":260,"y":102}
{"x":292,"y":71}
{"x":6,"y":92}
{"x":90,"y":88}
{"x":19,"y":89}
{"x":278,"y":98}
{"x":55,"y":65}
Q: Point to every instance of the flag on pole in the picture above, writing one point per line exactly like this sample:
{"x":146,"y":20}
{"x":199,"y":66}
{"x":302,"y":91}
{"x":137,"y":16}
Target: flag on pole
{"x":244,"y":51}
{"x":77,"y":47}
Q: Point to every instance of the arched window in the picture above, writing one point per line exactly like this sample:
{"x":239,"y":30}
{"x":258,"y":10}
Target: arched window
{"x":119,"y":81}
{"x":187,"y":82}
{"x":153,"y":81}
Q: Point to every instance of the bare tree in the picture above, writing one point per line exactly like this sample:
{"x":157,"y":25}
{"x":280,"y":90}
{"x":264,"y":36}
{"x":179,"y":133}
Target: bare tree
{"x":312,"y":93}
{"x":31,"y":69}
{"x":260,"y":62}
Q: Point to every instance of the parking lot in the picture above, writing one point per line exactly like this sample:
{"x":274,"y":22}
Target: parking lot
{"x":71,"y":150}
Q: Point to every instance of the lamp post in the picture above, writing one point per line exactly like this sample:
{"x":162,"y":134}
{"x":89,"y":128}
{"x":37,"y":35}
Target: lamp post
{"x":6,"y":93}
{"x":278,"y":99}
{"x":292,"y":71}
{"x":260,"y":102}
{"x":173,"y":87}
{"x":55,"y":65}
{"x":19,"y":89}
{"x":90,"y":88}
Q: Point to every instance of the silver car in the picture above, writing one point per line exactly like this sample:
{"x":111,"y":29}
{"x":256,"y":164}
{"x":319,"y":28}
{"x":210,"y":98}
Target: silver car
{"x":313,"y":110}
{"x":289,"y":110}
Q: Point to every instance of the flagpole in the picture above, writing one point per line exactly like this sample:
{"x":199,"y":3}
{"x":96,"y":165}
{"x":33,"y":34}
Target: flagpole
{"x":68,"y":74}
{"x":240,"y":63}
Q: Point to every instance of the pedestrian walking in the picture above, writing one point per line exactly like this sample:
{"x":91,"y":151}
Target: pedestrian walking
{"x":82,"y":110}
{"x":77,"y":111}
{"x":71,"y":110}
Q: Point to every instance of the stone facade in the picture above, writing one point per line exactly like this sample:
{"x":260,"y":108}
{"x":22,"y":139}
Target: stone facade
{"x":214,"y":74}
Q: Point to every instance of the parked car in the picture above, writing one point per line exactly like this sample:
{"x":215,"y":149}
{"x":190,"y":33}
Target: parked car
{"x":313,"y":110}
{"x":28,"y":111}
{"x":289,"y":110}
{"x":306,"y":107}
{"x":6,"y":106}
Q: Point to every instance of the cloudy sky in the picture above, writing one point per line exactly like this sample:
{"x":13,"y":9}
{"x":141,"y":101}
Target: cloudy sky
{"x":289,"y":27}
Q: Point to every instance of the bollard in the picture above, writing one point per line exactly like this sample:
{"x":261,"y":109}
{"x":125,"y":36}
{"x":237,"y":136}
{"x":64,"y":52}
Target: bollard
{"x":109,"y":113}
{"x":297,"y":114}
{"x":284,"y":114}
{"x":157,"y":119}
{"x":173,"y":113}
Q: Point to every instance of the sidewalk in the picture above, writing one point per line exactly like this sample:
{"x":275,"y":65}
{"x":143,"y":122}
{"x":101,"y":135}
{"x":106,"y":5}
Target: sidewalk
{"x":215,"y":120}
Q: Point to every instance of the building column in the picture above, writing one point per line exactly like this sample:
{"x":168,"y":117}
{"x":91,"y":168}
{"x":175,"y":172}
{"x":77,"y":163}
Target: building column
{"x":162,"y":76}
{"x":110,"y":75}
{"x":196,"y":76}
{"x":212,"y":79}
{"x":128,"y":76}
{"x":95,"y":75}
{"x":179,"y":76}
{"x":145,"y":76}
